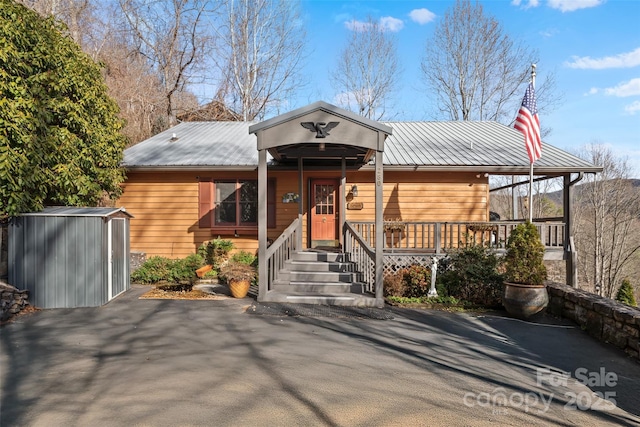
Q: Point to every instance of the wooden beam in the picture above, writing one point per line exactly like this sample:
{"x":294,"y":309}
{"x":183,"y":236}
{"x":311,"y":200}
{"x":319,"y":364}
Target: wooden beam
{"x":262,"y":224}
{"x":379,"y":267}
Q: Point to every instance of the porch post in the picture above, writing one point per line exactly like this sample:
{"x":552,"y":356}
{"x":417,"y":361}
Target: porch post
{"x":567,"y":208}
{"x":262,"y":224}
{"x":343,"y":200}
{"x":379,"y":267}
{"x":300,"y":203}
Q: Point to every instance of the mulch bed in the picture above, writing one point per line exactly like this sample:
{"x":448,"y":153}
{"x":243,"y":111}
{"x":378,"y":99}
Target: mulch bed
{"x":193,"y":294}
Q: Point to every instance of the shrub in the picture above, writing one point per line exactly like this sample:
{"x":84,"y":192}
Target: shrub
{"x":216,"y":252}
{"x":184,"y":270}
{"x":417,"y":281}
{"x":237,"y":271}
{"x":153,"y":270}
{"x":523,"y":262}
{"x":159,"y":269}
{"x":625,"y":294}
{"x":393,"y":286}
{"x":244,"y":257}
{"x":472,"y":275}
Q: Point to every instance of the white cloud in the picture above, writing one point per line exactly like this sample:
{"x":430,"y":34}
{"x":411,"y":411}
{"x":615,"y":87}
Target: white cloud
{"x":392,"y":24}
{"x":527,"y":3}
{"x":621,"y":60}
{"x":386,"y":23}
{"x":632,"y":108}
{"x":422,"y":16}
{"x":571,"y":5}
{"x":354,"y":25}
{"x":630,"y":88}
{"x":593,"y":91}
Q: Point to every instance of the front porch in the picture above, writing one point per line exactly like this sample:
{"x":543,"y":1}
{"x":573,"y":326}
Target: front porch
{"x":353,"y":177}
{"x":348,"y":276}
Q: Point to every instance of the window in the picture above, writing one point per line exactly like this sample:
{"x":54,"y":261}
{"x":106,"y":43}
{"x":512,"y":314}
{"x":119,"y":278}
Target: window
{"x":232,"y":205}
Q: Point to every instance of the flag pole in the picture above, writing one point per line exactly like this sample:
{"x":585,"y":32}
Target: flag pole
{"x":533,"y":82}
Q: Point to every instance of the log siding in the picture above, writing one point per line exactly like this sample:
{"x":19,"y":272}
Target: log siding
{"x":166,"y":208}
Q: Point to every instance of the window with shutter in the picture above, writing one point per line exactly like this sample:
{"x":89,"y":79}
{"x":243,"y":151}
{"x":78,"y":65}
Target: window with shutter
{"x":232,"y":205}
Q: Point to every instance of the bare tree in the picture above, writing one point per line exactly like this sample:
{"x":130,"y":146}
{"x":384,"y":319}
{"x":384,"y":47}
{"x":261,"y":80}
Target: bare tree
{"x":368,"y":70}
{"x":259,"y":55}
{"x":475,"y":71}
{"x":607,"y":221}
{"x":171,"y":36}
{"x":74,"y":13}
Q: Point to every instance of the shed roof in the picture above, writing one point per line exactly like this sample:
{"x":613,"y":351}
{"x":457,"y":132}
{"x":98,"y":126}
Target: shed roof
{"x":453,"y":145}
{"x":78,"y":211}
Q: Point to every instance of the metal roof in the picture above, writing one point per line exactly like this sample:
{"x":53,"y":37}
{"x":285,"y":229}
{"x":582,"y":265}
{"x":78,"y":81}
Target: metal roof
{"x":192,"y":144}
{"x":454,"y":145}
{"x":489,"y":146}
{"x":77,"y":211}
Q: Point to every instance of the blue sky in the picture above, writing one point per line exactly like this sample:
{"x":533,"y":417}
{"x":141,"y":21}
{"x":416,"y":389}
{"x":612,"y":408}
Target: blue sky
{"x":592,"y":46}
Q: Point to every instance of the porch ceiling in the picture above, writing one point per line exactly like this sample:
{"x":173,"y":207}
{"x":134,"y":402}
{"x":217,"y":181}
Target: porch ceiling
{"x":354,"y":156}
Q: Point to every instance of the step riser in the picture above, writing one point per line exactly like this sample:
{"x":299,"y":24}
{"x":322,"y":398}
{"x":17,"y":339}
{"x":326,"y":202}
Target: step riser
{"x":338,"y":267}
{"x":311,"y":276}
{"x":325,"y":300}
{"x":315,"y":288}
{"x":319,"y":256}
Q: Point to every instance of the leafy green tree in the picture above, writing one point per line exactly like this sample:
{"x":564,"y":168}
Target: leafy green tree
{"x":625,"y":294}
{"x":60,"y":140}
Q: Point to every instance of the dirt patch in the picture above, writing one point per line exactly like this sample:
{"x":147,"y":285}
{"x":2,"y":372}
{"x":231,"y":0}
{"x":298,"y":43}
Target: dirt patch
{"x":193,"y":294}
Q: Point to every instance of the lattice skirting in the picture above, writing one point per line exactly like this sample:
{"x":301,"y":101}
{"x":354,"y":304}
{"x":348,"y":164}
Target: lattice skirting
{"x":393,"y":263}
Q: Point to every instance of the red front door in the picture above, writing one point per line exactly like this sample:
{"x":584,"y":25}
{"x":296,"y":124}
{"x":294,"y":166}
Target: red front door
{"x":324,"y":213}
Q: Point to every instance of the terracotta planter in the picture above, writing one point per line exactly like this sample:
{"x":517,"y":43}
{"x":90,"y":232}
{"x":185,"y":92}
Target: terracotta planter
{"x":239,"y":288}
{"x":523,"y":301}
{"x":203,"y":270}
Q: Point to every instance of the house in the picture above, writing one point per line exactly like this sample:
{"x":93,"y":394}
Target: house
{"x":323,"y":184}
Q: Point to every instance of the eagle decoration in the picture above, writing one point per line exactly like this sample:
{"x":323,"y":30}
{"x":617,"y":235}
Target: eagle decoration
{"x":320,"y":128}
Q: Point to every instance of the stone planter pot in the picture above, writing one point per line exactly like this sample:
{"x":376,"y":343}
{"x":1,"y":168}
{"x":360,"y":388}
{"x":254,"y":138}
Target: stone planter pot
{"x":523,"y":301}
{"x":239,"y":288}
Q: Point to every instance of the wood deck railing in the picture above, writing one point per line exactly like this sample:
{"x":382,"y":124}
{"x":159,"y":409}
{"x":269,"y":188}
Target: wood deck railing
{"x":362,"y":255}
{"x":281,"y":250}
{"x":439,"y":237}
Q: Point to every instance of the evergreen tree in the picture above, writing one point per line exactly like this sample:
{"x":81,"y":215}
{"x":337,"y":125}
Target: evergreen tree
{"x":60,"y":140}
{"x":625,"y":294}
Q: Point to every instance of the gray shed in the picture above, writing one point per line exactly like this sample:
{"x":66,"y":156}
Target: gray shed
{"x":70,"y":257}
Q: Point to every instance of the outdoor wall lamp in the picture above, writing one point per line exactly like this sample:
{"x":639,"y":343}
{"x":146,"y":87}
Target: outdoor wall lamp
{"x":354,"y":190}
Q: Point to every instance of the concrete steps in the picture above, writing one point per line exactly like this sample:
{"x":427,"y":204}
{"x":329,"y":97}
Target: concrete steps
{"x":319,"y":277}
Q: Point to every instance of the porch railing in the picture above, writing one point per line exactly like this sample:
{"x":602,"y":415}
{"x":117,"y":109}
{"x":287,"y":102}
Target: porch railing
{"x":438,"y":237}
{"x":280,"y":251}
{"x":362,"y":255}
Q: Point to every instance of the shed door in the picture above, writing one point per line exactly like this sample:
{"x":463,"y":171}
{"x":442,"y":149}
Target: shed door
{"x":118,"y":271}
{"x":324,"y":213}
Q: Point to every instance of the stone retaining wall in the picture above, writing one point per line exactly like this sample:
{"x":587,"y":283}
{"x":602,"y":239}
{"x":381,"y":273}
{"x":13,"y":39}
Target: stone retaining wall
{"x":603,"y":318}
{"x":12,"y":301}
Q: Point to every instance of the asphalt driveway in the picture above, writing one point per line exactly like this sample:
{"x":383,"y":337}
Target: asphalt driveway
{"x":209,"y":363}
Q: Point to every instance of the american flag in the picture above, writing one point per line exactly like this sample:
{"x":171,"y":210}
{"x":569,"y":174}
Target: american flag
{"x":527,"y":122}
